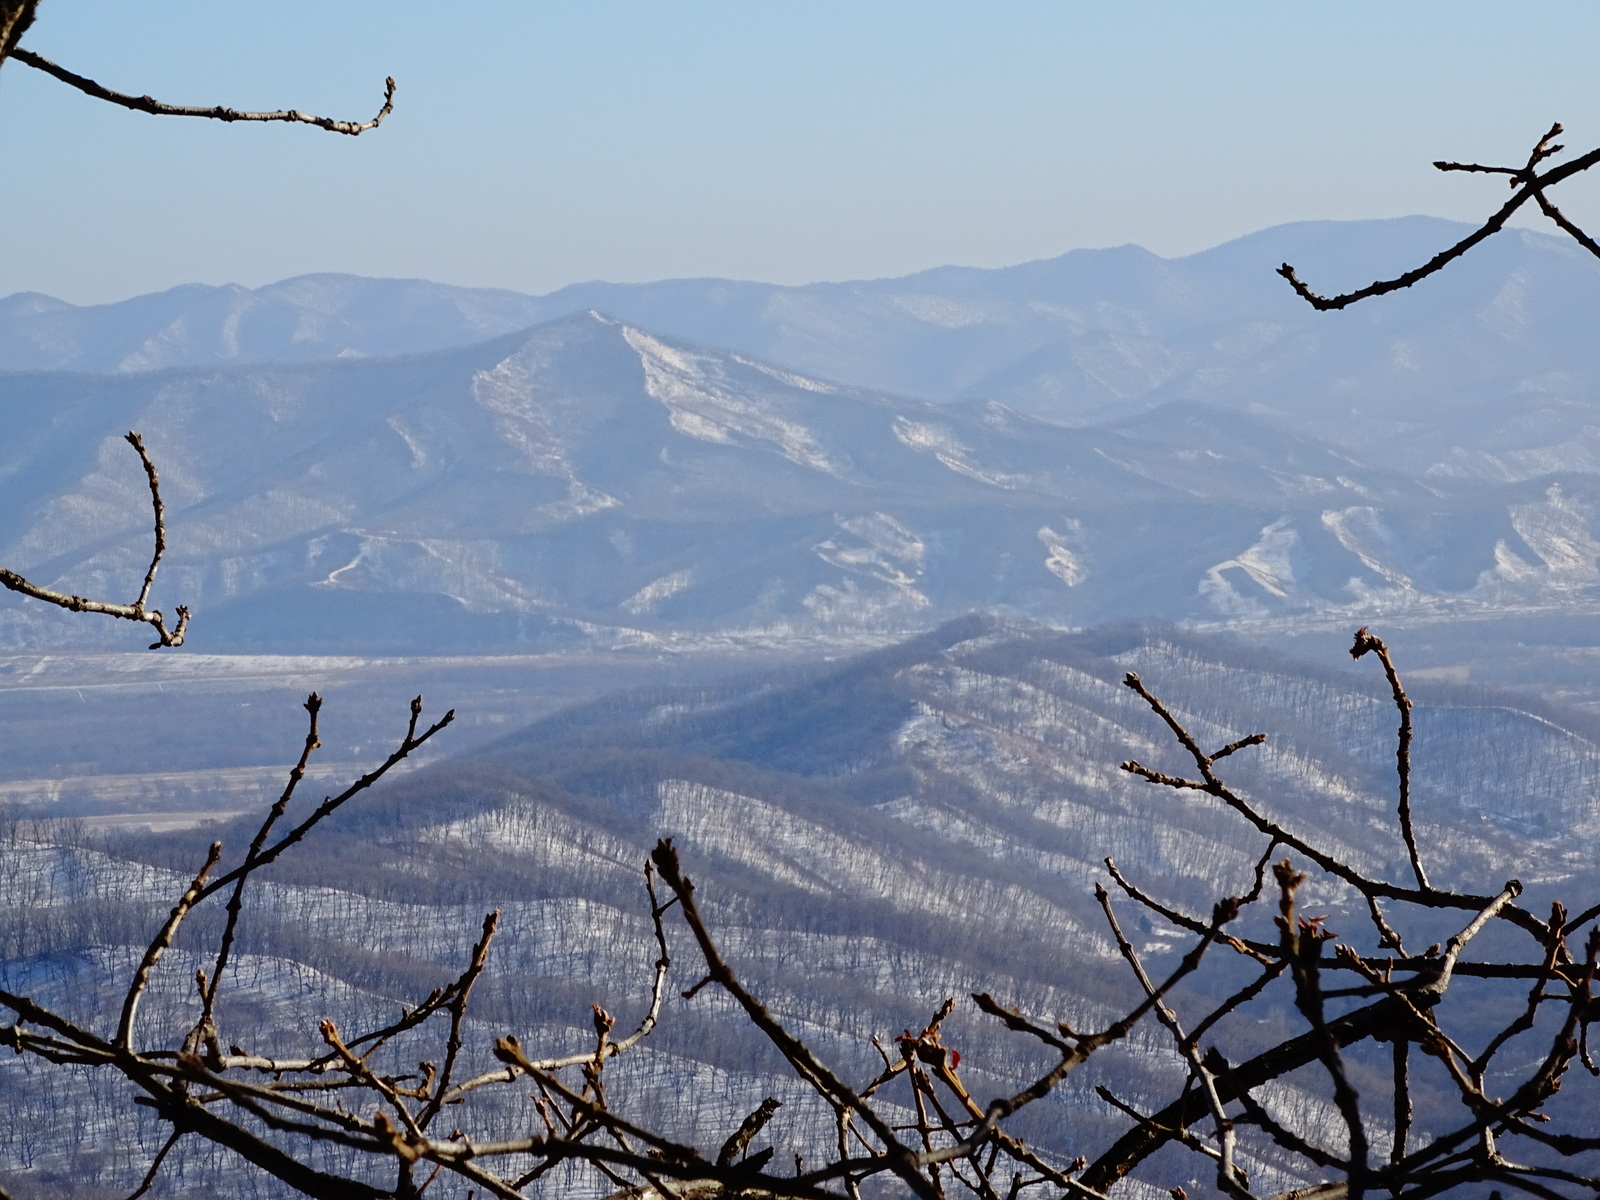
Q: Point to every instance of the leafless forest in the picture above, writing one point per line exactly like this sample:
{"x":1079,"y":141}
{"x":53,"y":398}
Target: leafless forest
{"x":1302,"y":1008}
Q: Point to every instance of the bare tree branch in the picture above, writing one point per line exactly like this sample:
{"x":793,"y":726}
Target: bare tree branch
{"x":1229,"y":1178}
{"x":810,"y":1068}
{"x":158,"y":947}
{"x":205,"y":1028}
{"x":408,"y":745}
{"x":1302,"y":945}
{"x":215,"y":112}
{"x":155,"y":1165}
{"x":128,"y":612}
{"x":1530,"y":185}
{"x":1214,"y":785}
{"x":1365,"y":642}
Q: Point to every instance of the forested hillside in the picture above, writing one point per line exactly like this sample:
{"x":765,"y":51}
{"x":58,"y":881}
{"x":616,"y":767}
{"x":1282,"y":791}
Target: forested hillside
{"x":869,"y":838}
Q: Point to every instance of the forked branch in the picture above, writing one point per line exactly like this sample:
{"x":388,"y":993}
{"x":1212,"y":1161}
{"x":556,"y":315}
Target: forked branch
{"x":128,"y":612}
{"x":1462,"y":1147}
{"x":1529,"y":183}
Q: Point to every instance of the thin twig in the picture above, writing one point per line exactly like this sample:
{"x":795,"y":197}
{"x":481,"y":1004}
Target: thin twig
{"x":1365,"y":642}
{"x":408,"y":745}
{"x":1213,"y":785}
{"x":1260,"y":951}
{"x":158,"y":947}
{"x":206,"y":1026}
{"x":155,"y":1165}
{"x":614,"y":1047}
{"x":1229,"y":1178}
{"x":828,"y":1085}
{"x":1302,"y":946}
{"x":462,"y":993}
{"x":127,"y":612}
{"x":1402,"y":1098}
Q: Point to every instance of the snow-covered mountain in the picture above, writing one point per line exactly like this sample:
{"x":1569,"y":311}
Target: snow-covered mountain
{"x":589,"y":479}
{"x":1090,"y":335}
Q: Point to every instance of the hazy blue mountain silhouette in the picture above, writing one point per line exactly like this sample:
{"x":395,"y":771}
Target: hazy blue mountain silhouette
{"x":1085,"y":336}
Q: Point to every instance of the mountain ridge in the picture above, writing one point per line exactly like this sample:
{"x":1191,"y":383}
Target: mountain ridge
{"x":1081,"y":338}
{"x":590,"y":479}
{"x":1179,"y":439}
{"x":303,"y":318}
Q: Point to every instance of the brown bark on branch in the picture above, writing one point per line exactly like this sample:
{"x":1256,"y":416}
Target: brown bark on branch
{"x":214,"y":112}
{"x":1364,"y":643}
{"x":127,"y":612}
{"x":1529,"y":183}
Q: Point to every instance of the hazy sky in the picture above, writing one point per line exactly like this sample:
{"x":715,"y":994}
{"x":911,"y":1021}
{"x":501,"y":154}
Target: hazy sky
{"x":535,"y":144}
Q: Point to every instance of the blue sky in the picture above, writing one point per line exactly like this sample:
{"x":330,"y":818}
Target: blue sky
{"x":536,"y":144}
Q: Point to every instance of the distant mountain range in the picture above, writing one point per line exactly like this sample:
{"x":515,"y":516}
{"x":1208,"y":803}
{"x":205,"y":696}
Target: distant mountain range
{"x":1091,"y":335}
{"x":1107,"y":434}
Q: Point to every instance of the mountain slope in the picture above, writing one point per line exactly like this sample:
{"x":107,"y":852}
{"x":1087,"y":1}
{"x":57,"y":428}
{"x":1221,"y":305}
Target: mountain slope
{"x":590,"y":480}
{"x":868,"y":838}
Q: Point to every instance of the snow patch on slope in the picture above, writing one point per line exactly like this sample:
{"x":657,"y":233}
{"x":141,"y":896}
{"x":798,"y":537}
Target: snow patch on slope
{"x":703,"y":403}
{"x":653,"y":593}
{"x":940,"y":441}
{"x":879,"y":547}
{"x":1558,"y":532}
{"x":1061,"y":562}
{"x":1268,"y":564}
